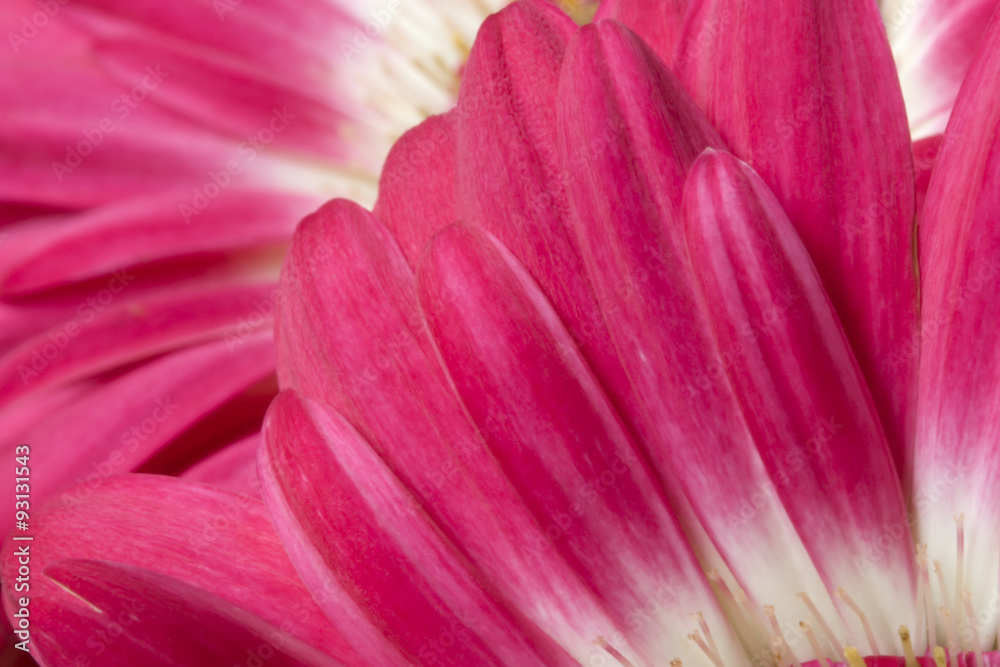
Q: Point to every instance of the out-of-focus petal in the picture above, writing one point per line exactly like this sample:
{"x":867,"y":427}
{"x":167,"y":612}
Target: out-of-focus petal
{"x":219,"y":542}
{"x":799,"y":387}
{"x":233,"y":468}
{"x":133,"y":616}
{"x":957,"y":460}
{"x":562,"y":444}
{"x":109,"y":332}
{"x":135,"y":232}
{"x":819,"y":115}
{"x":404,"y":593}
{"x":933,"y":42}
{"x":116,"y":426}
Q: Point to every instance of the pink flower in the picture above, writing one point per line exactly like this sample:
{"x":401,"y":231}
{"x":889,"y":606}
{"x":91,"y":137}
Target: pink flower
{"x":154,"y":161}
{"x":664,"y":392}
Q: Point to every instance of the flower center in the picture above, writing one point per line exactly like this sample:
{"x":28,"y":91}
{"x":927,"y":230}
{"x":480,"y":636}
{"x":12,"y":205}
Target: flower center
{"x":768,"y":644}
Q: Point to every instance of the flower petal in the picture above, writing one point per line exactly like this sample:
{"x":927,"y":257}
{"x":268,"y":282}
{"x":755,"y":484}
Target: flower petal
{"x":819,"y":115}
{"x":933,"y":42}
{"x":350,"y":525}
{"x":132,"y":616}
{"x":110,"y":331}
{"x":957,"y":461}
{"x":233,"y":468}
{"x":658,"y":24}
{"x":800,"y":390}
{"x":547,"y":421}
{"x":416,"y":192}
{"x":134,"y":232}
{"x":219,"y":542}
{"x":350,"y":333}
{"x":118,"y":425}
{"x":626,"y":206}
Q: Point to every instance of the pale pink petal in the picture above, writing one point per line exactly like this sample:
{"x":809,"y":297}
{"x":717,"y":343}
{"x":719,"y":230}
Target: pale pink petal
{"x":416,"y":191}
{"x":547,"y":421}
{"x":350,"y":333}
{"x":219,"y":542}
{"x":128,"y":616}
{"x":798,"y":385}
{"x":957,"y":462}
{"x":933,"y":42}
{"x":348,"y":523}
{"x":819,"y":115}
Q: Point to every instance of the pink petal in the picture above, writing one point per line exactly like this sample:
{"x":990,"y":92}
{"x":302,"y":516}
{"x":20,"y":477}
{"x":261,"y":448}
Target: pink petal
{"x":933,"y":42}
{"x":416,"y":191}
{"x":819,"y":115}
{"x":151,"y":228}
{"x":957,"y":463}
{"x":925,"y":154}
{"x":343,"y":516}
{"x":626,"y":206}
{"x":218,"y":542}
{"x":118,"y":425}
{"x":113,"y":331}
{"x":132,"y":616}
{"x":350,"y":333}
{"x":510,"y":180}
{"x":233,"y":468}
{"x":547,"y":421}
{"x":800,"y":390}
{"x":73,"y":138}
{"x":658,"y":24}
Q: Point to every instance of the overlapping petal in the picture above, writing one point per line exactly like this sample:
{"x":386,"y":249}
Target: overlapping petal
{"x":957,"y":431}
{"x":819,"y":115}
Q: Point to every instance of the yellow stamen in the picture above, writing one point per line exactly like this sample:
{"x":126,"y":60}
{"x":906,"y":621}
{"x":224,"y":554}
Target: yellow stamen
{"x":904,"y":635}
{"x":939,"y":659}
{"x":928,"y":597}
{"x":853,"y":657}
{"x":960,"y":566}
{"x":708,"y":633}
{"x":613,"y":652}
{"x":939,"y":571}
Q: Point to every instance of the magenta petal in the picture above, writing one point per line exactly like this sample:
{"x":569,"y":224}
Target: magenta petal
{"x":547,"y":421}
{"x":116,"y":426}
{"x":958,"y":427}
{"x":110,"y":329}
{"x":233,"y":468}
{"x":819,"y":115}
{"x":221,"y":543}
{"x":134,"y":232}
{"x":350,"y":525}
{"x":352,"y":336}
{"x":801,"y":393}
{"x":659,"y":24}
{"x":626,"y":205}
{"x":116,"y":614}
{"x":416,"y":191}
